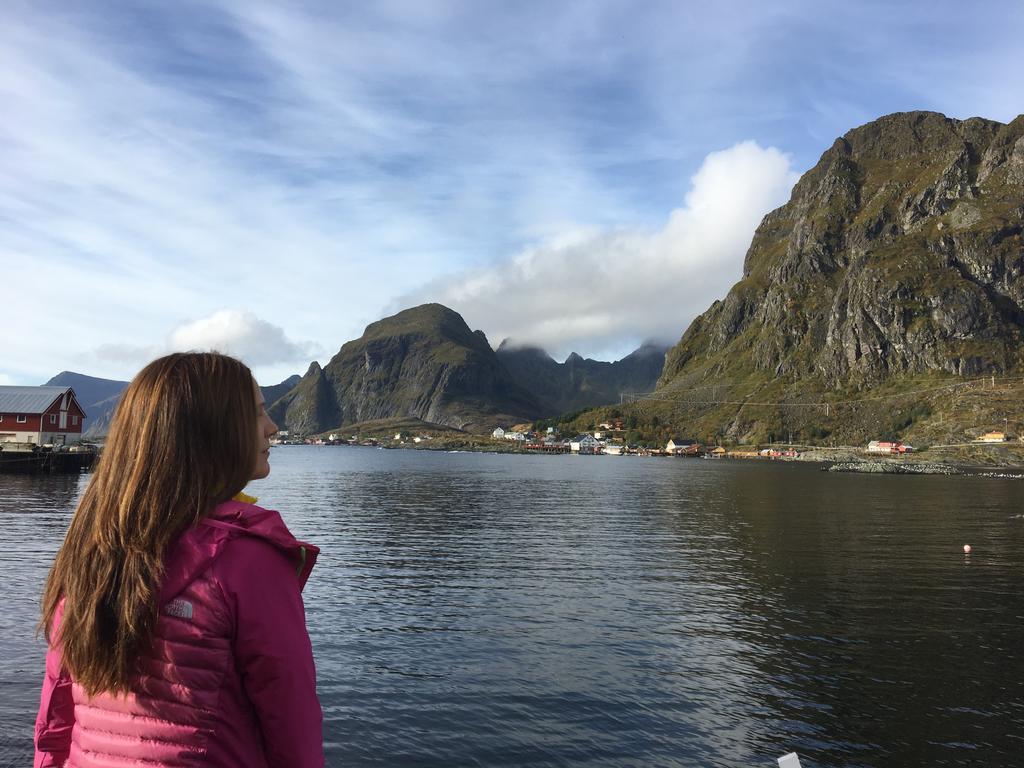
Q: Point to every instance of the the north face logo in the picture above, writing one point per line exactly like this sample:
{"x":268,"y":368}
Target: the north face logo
{"x":180,"y":608}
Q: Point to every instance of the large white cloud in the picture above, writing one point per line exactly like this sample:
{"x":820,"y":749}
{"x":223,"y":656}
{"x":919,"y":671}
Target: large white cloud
{"x":242,"y":334}
{"x":597,"y":291}
{"x":231,"y":331}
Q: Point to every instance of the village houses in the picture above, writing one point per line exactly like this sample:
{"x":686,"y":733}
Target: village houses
{"x":676,"y":444}
{"x":885,"y":446}
{"x":584,"y":444}
{"x":517,"y":433}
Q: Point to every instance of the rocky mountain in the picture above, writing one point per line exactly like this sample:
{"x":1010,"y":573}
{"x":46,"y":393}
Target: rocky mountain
{"x":275,"y":392}
{"x":898,"y":258}
{"x":98,"y":397}
{"x":581,"y":382}
{"x":423,"y":363}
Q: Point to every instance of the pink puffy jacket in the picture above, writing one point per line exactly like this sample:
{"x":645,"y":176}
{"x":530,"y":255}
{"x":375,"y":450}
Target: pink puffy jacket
{"x":229,"y":678}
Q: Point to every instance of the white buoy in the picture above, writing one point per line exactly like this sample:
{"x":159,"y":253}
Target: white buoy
{"x":789,"y":761}
{"x":967,"y":549}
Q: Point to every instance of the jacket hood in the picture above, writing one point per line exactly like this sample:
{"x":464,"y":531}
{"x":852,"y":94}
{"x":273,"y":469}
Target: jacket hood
{"x":200,"y":546}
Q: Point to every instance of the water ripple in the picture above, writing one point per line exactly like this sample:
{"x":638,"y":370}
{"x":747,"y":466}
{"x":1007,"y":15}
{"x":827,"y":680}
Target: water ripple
{"x":548,"y":611}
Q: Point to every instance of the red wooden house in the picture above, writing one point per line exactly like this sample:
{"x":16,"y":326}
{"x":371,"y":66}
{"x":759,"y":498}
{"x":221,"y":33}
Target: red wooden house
{"x":40,"y":415}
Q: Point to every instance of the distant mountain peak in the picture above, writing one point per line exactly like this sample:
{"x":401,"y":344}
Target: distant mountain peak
{"x":69,"y":378}
{"x":423,"y":362}
{"x":432,"y":316}
{"x":508,"y":346}
{"x":651,"y":347}
{"x":580,"y":382}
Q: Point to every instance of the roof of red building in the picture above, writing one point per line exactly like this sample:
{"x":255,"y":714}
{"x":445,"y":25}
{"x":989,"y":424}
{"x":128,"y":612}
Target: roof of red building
{"x":29,"y":400}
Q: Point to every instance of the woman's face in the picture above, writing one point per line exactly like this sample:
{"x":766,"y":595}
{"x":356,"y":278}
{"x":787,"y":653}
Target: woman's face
{"x":265,"y":428}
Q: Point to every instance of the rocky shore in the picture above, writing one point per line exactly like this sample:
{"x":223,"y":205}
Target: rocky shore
{"x":895,"y":468}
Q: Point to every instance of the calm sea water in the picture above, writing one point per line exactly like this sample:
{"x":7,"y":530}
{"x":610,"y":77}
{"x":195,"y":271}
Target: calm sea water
{"x":475,"y":609}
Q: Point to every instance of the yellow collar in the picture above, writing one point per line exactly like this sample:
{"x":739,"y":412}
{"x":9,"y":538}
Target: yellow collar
{"x":244,"y":497}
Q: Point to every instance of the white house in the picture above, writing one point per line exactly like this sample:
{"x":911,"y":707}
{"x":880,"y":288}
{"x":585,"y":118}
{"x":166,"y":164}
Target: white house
{"x":675,"y":443}
{"x":584,"y":444}
{"x":498,"y":433}
{"x":885,"y":446}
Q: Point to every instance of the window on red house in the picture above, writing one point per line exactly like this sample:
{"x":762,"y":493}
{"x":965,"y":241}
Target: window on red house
{"x":53,"y":418}
{"x":22,"y":419}
{"x":74,"y":421}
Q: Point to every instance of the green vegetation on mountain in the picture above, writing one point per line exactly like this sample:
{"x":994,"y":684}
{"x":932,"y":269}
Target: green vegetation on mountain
{"x":881,"y":300}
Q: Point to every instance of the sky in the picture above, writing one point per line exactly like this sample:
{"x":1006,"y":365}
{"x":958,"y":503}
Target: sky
{"x":268,"y":178}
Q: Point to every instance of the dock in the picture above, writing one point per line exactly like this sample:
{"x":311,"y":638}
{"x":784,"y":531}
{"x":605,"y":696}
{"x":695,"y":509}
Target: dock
{"x":27,"y":458}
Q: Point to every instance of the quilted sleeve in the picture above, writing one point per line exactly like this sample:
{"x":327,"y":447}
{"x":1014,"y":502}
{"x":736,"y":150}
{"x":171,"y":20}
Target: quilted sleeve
{"x":273,"y":651}
{"x":56,"y":715}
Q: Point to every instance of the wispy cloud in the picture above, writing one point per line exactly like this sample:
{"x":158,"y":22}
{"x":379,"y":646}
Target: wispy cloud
{"x":309,"y":163}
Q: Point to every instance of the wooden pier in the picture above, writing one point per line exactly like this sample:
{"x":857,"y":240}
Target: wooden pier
{"x":16,"y":457}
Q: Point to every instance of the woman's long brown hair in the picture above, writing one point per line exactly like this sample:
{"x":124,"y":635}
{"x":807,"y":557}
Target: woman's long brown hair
{"x":183,"y":439}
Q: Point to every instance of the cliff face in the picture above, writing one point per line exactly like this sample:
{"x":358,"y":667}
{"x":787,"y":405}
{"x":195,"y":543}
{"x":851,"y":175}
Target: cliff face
{"x":578,"y":382}
{"x":900,"y":252}
{"x":276,"y":391}
{"x":423,"y":363}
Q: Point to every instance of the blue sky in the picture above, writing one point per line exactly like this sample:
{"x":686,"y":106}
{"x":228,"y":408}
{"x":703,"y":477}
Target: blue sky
{"x":269,"y":178}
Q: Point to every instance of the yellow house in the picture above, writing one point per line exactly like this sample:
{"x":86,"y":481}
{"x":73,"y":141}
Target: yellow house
{"x":996,"y":436}
{"x":743,"y":454}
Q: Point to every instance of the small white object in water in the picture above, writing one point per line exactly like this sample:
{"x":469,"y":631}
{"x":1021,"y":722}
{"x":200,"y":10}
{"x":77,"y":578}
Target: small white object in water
{"x":789,"y":761}
{"x":967,"y":549}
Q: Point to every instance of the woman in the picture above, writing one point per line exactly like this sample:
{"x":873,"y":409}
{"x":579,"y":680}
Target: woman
{"x":173,"y":613}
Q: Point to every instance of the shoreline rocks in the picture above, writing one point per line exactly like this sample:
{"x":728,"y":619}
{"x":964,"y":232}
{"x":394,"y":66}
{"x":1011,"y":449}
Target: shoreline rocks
{"x":894,"y":468}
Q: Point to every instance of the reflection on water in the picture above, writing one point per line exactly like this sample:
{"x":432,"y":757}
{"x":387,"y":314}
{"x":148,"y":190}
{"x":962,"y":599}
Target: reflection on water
{"x":555,"y":610}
